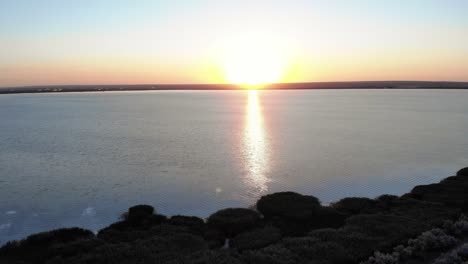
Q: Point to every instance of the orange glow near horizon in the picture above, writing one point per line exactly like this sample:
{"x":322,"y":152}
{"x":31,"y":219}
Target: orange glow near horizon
{"x":251,"y":43}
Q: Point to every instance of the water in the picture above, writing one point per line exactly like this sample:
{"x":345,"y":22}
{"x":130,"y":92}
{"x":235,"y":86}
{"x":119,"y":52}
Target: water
{"x":81,"y":159}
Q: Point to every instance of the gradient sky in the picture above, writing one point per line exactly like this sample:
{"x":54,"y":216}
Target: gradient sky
{"x":129,"y":42}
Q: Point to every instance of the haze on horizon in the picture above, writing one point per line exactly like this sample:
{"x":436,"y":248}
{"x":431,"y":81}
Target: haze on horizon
{"x":136,"y":42}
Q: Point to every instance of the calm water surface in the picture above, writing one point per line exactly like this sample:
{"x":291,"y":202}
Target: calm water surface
{"x":82,"y":159}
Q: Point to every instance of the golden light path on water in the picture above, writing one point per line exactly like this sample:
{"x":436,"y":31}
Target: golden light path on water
{"x":255,"y":147}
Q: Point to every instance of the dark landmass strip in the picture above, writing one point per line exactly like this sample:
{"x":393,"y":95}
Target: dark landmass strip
{"x":426,"y":225}
{"x":277,"y":86}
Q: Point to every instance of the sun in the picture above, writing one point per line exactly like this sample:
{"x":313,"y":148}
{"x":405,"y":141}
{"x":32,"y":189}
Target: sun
{"x":253,"y":63}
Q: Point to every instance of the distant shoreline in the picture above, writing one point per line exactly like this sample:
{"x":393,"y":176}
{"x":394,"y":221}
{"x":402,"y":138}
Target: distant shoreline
{"x":277,"y":86}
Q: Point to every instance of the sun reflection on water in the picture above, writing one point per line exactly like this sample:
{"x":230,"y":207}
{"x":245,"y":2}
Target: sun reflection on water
{"x":255,"y":147}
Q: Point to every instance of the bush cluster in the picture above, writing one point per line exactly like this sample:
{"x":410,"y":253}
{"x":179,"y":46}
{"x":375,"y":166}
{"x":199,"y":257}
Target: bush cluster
{"x":456,"y":256}
{"x":421,"y":247}
{"x":285,"y":228}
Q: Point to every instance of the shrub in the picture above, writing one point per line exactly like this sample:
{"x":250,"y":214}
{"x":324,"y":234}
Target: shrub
{"x":288,"y":205}
{"x":386,"y":201}
{"x":194,"y":224}
{"x":115,"y":234}
{"x":212,"y":257}
{"x":256,"y":238}
{"x":37,"y":247}
{"x":153,"y":250}
{"x":381,"y":258}
{"x":309,"y":248}
{"x":214,"y":237}
{"x":233,"y":220}
{"x":456,"y":256}
{"x":357,"y":245}
{"x":190,"y":221}
{"x":428,"y":242}
{"x":324,"y":217}
{"x":450,"y":191}
{"x":427,"y":214}
{"x":435,"y":239}
{"x":463,"y":172}
{"x":75,"y":247}
{"x":380,"y":225}
{"x":135,"y":221}
{"x":274,"y":254}
{"x":138,"y":213}
{"x":355,"y":205}
{"x":458,"y":228}
{"x":327,"y":217}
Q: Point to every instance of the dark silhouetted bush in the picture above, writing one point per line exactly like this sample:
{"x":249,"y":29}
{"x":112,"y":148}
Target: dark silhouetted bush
{"x":386,"y":201}
{"x":233,"y":220}
{"x":456,"y":256}
{"x":274,"y":254}
{"x":357,"y":245}
{"x":74,"y":248}
{"x":356,"y":205}
{"x":450,"y":191}
{"x":214,"y":237}
{"x":195,"y":224}
{"x":37,"y":247}
{"x":212,"y":257}
{"x":308,"y":248}
{"x":356,"y":228}
{"x":256,"y":238}
{"x":463,"y":172}
{"x":391,"y":227}
{"x":327,"y":217}
{"x":289,"y":205}
{"x":157,"y":249}
{"x":139,"y":213}
{"x":423,"y":248}
{"x":182,"y":220}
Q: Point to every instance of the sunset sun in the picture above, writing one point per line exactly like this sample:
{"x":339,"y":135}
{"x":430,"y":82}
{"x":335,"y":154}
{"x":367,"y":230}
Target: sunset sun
{"x":253,"y":63}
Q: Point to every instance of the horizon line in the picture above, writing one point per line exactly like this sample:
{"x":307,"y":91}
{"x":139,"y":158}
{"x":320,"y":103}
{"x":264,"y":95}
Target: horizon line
{"x":231,"y":84}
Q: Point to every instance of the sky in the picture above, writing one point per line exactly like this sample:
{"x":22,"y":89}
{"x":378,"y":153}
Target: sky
{"x":59,"y":42}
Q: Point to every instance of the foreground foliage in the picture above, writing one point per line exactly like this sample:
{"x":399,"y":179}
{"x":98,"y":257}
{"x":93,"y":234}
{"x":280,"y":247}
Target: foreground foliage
{"x":287,"y":227}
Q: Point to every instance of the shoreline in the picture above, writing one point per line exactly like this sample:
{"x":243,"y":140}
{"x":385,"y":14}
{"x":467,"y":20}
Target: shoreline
{"x":298,"y":225}
{"x":215,"y":87}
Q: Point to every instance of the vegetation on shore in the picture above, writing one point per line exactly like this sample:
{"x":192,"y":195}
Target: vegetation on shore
{"x":425,"y":225}
{"x":212,"y":87}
